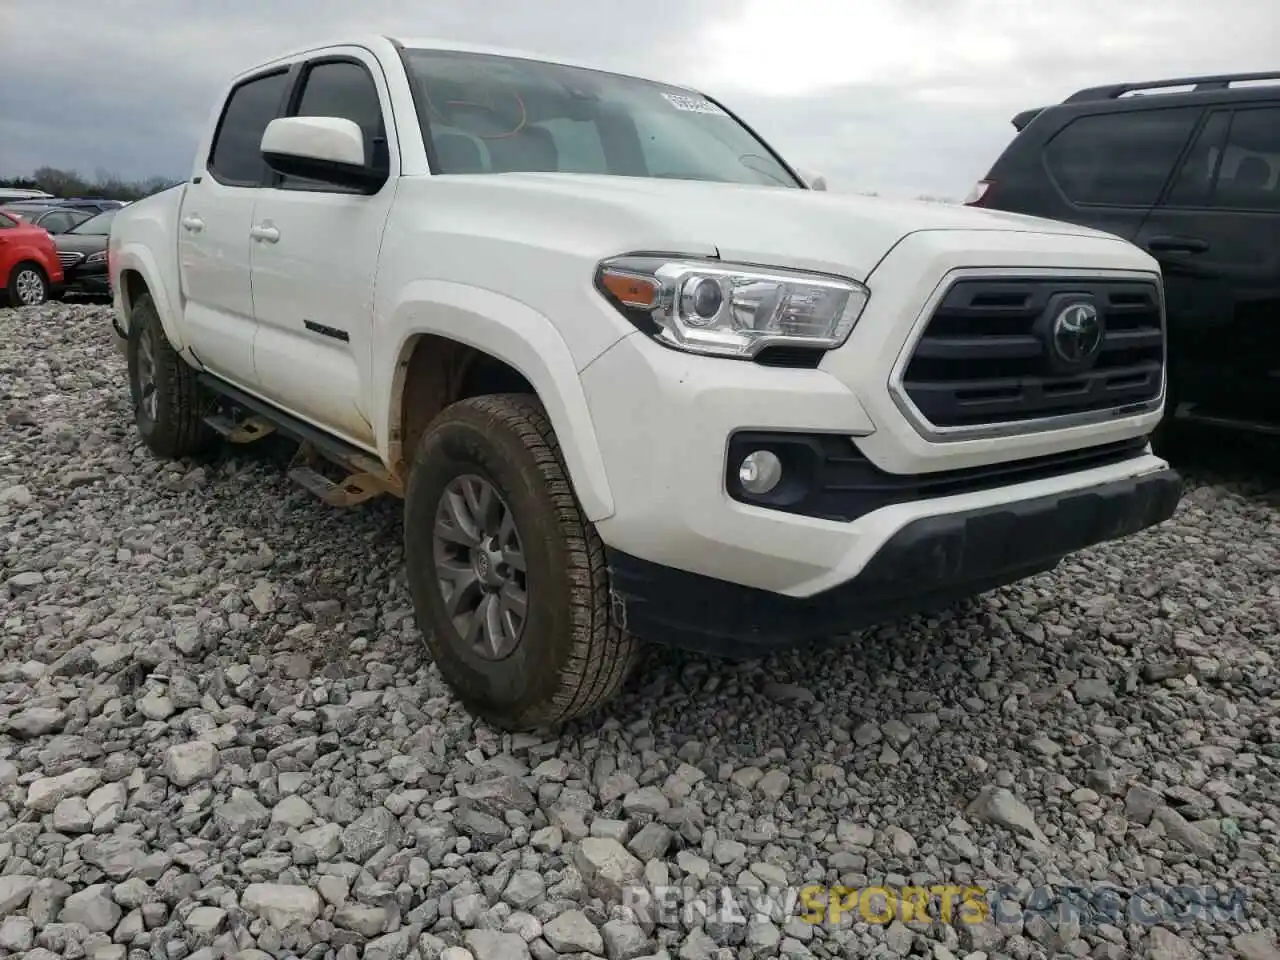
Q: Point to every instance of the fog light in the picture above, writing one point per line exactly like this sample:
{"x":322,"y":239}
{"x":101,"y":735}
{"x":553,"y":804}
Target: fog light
{"x":760,"y":472}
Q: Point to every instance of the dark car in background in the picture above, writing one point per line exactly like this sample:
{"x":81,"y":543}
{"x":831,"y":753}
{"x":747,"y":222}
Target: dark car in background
{"x":82,"y":250}
{"x":53,"y":217}
{"x":1189,"y":170}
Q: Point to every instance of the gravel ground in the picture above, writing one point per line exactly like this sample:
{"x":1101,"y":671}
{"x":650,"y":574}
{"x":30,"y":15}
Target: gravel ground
{"x":219,"y":736}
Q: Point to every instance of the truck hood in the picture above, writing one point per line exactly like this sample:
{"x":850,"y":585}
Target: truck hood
{"x":836,"y":233}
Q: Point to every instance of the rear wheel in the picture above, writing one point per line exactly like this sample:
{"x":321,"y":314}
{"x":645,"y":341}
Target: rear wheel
{"x":28,"y":286}
{"x":508,"y":579}
{"x":168,"y":401}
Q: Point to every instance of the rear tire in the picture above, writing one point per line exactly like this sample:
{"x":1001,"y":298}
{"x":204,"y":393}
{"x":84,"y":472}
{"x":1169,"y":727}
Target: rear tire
{"x":568,"y":655}
{"x":168,"y":402}
{"x":28,"y":286}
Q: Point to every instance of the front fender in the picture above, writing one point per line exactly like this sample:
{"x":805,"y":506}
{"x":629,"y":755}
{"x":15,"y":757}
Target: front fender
{"x":518,"y":336}
{"x":136,"y":256}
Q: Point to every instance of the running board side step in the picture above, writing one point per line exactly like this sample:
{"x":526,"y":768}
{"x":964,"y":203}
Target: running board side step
{"x":367,"y":477}
{"x":246,"y":431}
{"x":355,"y":489}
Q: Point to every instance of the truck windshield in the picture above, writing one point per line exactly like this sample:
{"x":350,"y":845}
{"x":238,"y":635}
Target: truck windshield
{"x":489,"y":114}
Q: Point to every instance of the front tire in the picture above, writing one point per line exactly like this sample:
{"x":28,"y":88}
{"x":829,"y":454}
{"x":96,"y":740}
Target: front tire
{"x":509,"y":581}
{"x":168,"y":401}
{"x":28,"y":286}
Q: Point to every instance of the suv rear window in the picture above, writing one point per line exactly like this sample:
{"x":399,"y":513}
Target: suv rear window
{"x":1120,"y":159}
{"x":1249,"y":175}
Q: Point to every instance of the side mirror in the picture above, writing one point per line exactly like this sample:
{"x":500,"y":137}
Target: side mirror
{"x":812,"y":179}
{"x":328,"y":149}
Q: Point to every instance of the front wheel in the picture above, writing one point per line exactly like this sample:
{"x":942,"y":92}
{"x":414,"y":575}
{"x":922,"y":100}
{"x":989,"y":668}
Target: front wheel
{"x":509,"y":581}
{"x":28,"y":286}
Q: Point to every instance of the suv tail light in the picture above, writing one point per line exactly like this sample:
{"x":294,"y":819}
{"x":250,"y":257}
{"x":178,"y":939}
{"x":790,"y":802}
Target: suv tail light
{"x":980,"y":189}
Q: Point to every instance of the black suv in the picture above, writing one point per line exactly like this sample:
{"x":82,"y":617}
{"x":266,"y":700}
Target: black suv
{"x":1189,"y":170}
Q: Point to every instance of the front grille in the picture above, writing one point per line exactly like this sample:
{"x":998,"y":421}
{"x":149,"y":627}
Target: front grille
{"x":987,"y":354}
{"x":833,"y":480}
{"x":68,"y":259}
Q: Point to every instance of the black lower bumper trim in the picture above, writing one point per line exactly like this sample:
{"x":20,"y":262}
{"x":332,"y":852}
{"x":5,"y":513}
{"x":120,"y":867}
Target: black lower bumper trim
{"x":927,"y":565}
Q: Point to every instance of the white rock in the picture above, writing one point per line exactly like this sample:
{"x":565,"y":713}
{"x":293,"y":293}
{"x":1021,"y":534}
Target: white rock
{"x":263,"y":596}
{"x":206,"y":921}
{"x":606,"y":866}
{"x":92,"y":907}
{"x":281,"y":905}
{"x":107,"y":797}
{"x":37,"y":722}
{"x":44,"y":794}
{"x":572,"y":932}
{"x":71,"y":815}
{"x":187,"y":763}
{"x":292,"y":812}
{"x":492,"y":945}
{"x":156,"y":706}
{"x":322,"y":843}
{"x":14,"y":890}
{"x":17,"y":934}
{"x":17,"y":495}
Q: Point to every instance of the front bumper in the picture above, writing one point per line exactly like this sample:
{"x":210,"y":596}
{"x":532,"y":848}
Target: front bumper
{"x":663,"y":420}
{"x":926,"y":564}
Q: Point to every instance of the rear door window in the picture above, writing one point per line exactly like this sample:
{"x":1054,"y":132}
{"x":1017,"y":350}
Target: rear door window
{"x":1119,"y":159}
{"x":236,"y":157}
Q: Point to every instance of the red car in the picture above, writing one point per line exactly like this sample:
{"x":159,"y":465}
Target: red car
{"x":29,"y":266}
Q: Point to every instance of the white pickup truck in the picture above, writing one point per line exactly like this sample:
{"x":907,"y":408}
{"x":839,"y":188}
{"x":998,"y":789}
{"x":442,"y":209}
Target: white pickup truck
{"x":633,"y":376}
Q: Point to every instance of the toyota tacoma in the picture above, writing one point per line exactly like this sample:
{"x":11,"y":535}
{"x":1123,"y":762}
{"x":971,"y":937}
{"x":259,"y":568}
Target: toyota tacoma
{"x":635,"y":377}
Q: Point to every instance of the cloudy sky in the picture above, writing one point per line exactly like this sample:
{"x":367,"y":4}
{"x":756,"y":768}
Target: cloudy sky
{"x":902,"y":97}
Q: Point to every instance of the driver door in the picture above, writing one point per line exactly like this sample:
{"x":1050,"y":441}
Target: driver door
{"x":314,"y":259}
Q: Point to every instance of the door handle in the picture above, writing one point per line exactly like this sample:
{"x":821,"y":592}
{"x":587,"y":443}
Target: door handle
{"x":1178,"y":244}
{"x":194,"y":224}
{"x":264,"y":232}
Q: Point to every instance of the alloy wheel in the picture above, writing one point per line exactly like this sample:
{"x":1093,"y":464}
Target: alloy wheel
{"x":480,"y":567}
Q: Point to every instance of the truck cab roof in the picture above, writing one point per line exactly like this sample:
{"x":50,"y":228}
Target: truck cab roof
{"x":378,"y":42}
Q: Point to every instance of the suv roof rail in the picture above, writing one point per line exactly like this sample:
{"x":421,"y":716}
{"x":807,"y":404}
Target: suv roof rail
{"x":1216,"y":82}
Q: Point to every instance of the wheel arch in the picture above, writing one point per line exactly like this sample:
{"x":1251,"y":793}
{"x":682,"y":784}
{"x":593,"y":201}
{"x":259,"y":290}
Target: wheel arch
{"x":26,"y":258}
{"x":449,"y":341}
{"x":138,"y":273}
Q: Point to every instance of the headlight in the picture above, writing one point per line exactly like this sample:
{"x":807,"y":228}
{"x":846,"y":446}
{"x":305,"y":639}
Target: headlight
{"x":731,"y":310}
{"x":98,"y":257}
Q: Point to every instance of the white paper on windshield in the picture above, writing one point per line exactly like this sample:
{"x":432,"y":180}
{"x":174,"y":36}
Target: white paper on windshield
{"x":693,"y":104}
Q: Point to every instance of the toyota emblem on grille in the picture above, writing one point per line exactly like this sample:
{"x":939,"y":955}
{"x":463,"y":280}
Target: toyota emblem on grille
{"x":1076,"y":333}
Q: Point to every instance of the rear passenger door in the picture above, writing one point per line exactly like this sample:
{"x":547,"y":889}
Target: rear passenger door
{"x":1216,"y":233}
{"x":213,"y":230}
{"x":315,"y":258}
